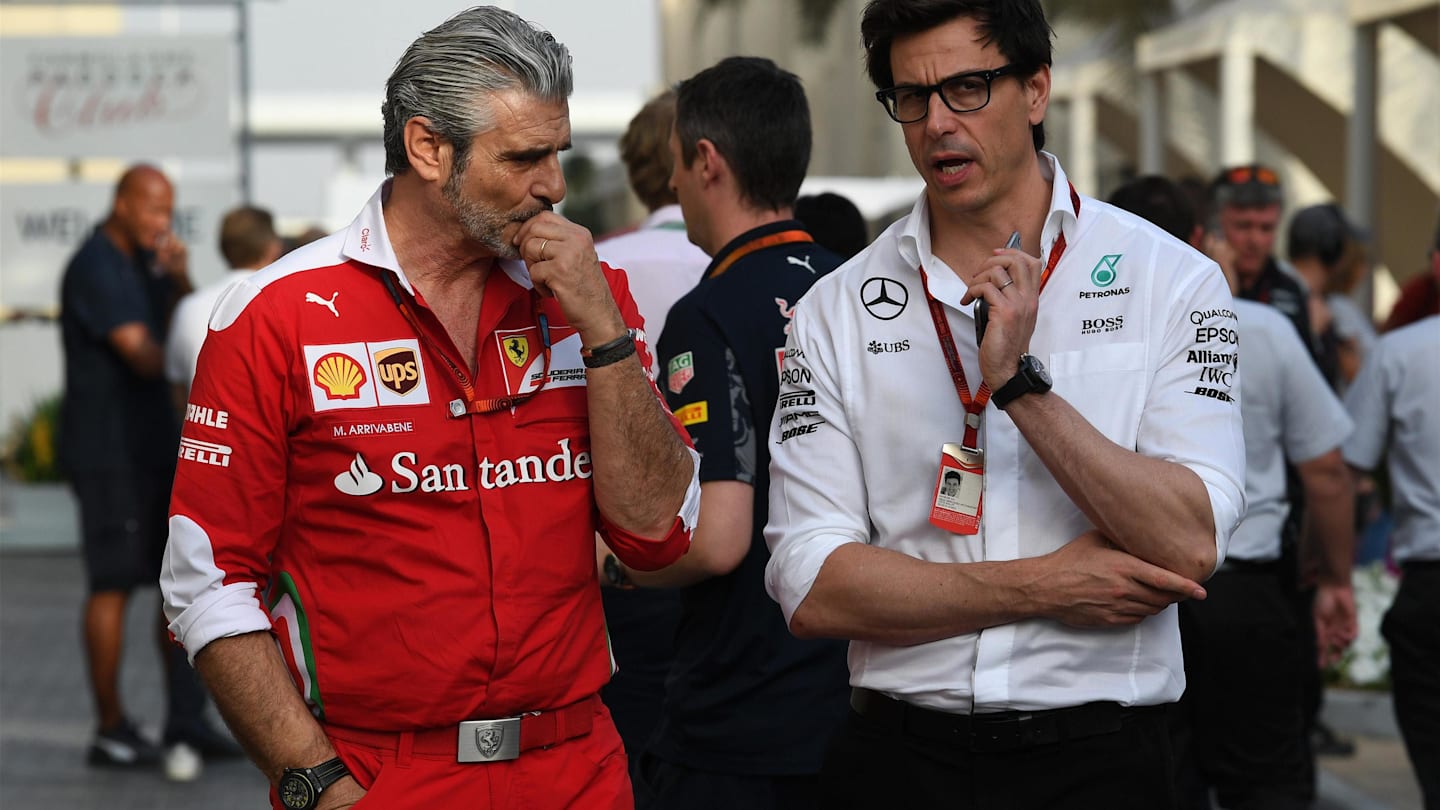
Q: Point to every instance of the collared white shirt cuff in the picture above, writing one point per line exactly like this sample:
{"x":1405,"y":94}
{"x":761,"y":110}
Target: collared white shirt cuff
{"x":792,"y":569}
{"x":232,"y":610}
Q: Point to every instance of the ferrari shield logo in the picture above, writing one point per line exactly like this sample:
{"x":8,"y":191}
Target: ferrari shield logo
{"x":517,"y":350}
{"x":489,"y":738}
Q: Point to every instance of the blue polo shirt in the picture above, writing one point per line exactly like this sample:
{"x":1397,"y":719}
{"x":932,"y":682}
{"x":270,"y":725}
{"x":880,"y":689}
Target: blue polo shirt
{"x":111,"y":419}
{"x":744,"y":695}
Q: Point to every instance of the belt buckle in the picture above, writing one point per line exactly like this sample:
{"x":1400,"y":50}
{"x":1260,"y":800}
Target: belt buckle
{"x":489,"y":740}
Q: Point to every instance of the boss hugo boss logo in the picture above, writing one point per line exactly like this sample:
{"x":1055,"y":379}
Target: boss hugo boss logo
{"x":884,"y":298}
{"x":1098,"y":326}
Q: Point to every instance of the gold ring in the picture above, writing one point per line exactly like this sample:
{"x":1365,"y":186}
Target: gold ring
{"x":1007,"y":284}
{"x":542,"y":249}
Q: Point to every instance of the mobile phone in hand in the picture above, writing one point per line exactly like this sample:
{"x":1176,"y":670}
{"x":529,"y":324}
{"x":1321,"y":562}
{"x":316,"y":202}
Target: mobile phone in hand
{"x":982,"y":307}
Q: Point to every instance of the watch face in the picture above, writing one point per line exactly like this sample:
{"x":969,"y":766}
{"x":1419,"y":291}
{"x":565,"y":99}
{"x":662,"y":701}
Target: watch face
{"x":1040,"y":371}
{"x":296,"y":793}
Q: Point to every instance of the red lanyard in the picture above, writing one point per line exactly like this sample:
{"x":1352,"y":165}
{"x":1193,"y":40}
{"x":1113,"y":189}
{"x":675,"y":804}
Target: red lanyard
{"x":781,"y":238}
{"x":470,"y":403}
{"x":974,"y":407}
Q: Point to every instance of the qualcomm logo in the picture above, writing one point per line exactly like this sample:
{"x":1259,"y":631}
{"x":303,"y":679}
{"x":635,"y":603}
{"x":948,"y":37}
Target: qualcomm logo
{"x":358,"y":480}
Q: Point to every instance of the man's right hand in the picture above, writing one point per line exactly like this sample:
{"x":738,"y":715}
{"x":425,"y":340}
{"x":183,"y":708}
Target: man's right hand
{"x":1090,"y":583}
{"x":344,"y":793}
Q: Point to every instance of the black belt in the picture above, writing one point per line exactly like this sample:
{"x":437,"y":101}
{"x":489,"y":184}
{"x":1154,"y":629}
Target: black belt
{"x":995,"y":732}
{"x":1420,"y":566}
{"x":1237,"y":566}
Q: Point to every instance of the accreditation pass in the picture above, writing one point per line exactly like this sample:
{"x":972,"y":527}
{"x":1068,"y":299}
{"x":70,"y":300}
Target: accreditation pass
{"x":959,"y":488}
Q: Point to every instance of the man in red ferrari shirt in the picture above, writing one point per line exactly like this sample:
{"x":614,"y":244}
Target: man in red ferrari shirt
{"x":400,"y":442}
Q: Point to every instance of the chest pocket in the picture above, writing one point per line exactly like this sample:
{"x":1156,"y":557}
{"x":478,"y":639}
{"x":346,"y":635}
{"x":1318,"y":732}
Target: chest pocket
{"x":1107,"y":385}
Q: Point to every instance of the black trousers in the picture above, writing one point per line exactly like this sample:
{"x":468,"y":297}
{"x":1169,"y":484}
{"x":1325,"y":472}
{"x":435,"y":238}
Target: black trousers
{"x":1412,"y":627}
{"x":872,"y":766}
{"x":662,"y":785}
{"x":1242,"y":714}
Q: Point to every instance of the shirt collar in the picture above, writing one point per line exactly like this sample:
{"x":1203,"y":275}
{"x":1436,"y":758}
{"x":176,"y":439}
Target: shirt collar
{"x":666,"y":216}
{"x":914,"y":241}
{"x":367,"y":241}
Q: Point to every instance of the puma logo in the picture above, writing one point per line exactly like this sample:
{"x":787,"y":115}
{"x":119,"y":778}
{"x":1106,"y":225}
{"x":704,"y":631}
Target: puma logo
{"x":312,"y":298}
{"x":805,"y":263}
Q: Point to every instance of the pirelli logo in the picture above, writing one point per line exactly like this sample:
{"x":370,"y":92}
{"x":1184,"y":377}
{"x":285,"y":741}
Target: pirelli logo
{"x":216,"y":455}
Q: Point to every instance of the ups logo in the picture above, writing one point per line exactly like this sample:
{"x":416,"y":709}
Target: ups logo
{"x":398,"y":369}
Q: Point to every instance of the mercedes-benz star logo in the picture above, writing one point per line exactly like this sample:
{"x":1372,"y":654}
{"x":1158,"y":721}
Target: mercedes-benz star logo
{"x":884,"y":298}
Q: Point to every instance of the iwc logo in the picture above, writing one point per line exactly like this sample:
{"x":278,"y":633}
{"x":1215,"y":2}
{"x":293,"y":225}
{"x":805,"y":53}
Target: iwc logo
{"x":884,"y":298}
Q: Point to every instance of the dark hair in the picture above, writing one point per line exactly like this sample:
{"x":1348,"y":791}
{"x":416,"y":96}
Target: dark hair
{"x":1251,"y":185}
{"x":645,"y":151}
{"x":835,"y":223}
{"x":247,"y":235}
{"x":1321,"y":232}
{"x":757,"y":116}
{"x":1159,"y":201}
{"x":1017,"y":27}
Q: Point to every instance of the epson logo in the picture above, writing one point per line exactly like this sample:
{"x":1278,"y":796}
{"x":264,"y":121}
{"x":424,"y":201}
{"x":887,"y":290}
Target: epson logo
{"x":1095,"y":326}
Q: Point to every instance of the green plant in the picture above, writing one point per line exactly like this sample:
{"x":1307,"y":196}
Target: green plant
{"x":29,"y":453}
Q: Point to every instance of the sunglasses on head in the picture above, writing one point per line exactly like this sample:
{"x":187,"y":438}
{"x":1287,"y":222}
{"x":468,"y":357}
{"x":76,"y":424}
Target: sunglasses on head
{"x":1241,"y":175}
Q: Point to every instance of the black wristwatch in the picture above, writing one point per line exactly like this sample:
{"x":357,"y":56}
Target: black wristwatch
{"x":1032,"y":378}
{"x":615,"y":574}
{"x":300,"y":788}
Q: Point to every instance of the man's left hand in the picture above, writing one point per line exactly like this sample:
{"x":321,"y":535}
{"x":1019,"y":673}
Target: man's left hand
{"x":1335,"y":623}
{"x":563,"y":265}
{"x":1010,"y":282}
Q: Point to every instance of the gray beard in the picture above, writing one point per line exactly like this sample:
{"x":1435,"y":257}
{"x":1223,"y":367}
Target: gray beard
{"x":481,"y":223}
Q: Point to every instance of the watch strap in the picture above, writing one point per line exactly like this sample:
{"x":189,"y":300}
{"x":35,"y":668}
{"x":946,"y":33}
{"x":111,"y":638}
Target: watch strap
{"x":610,"y":352}
{"x":329,"y":772}
{"x":1025,"y":381}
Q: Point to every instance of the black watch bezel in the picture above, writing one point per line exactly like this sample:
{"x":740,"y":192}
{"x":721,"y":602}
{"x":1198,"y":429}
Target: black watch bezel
{"x":313,"y":781}
{"x":1030,"y":378}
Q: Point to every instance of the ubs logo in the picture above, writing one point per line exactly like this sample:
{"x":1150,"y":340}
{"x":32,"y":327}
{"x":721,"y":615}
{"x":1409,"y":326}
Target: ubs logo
{"x":398,"y":369}
{"x":884,"y":298}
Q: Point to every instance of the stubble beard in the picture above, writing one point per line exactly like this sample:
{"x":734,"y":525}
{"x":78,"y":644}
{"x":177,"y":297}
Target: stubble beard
{"x":482,"y":223}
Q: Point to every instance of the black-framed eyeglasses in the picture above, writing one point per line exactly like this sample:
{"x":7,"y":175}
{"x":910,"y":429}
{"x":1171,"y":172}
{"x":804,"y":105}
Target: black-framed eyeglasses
{"x":962,"y":93}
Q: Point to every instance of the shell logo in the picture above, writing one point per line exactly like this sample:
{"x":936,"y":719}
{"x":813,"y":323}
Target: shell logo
{"x":340,"y":376}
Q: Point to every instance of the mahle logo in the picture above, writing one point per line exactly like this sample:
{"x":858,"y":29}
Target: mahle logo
{"x":1104,"y":273}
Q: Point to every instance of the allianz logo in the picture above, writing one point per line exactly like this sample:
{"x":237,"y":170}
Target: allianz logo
{"x":410,"y":476}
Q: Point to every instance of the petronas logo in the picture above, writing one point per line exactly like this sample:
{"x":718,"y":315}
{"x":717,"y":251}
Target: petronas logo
{"x":1104,"y":273}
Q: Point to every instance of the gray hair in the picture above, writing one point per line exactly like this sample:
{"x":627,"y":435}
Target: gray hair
{"x":448,"y":74}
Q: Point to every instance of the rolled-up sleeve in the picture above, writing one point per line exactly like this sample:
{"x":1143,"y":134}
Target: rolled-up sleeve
{"x":1192,"y":415}
{"x":818,"y":499}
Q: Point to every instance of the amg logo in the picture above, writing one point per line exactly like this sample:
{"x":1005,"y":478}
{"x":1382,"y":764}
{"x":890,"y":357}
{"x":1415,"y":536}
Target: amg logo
{"x":1206,"y":357}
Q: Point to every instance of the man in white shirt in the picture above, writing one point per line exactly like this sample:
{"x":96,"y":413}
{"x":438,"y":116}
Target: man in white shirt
{"x":248,"y":242}
{"x":1393,"y":402}
{"x":1015,"y":648}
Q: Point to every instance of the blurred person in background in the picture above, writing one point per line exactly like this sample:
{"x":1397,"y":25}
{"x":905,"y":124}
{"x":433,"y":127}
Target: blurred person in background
{"x":1393,"y":402}
{"x":748,"y":708}
{"x":118,"y":434}
{"x":1328,"y":252}
{"x":1420,"y":297}
{"x":1241,"y":729}
{"x":662,"y":265}
{"x":834,"y":221}
{"x":406,"y":437}
{"x":248,"y":242}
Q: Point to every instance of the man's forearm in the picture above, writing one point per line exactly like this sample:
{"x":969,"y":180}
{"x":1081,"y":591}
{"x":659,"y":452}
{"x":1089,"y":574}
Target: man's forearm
{"x":1330,"y":508}
{"x":642,"y":469}
{"x":258,"y":700}
{"x":1156,"y":510}
{"x":720,"y":542}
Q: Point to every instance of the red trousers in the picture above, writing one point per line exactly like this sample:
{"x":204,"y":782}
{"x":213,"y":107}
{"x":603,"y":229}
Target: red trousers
{"x":584,"y":773}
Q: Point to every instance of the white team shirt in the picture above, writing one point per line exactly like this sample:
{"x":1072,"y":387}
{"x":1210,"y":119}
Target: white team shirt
{"x":1395,"y":401}
{"x":1290,"y":413}
{"x":1137,"y":330}
{"x":190,"y":325}
{"x":660,"y":261}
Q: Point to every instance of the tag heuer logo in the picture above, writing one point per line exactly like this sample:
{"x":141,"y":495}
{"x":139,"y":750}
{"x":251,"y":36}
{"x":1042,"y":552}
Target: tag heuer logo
{"x":517,"y":350}
{"x":488,"y":740}
{"x":398,"y":369}
{"x":1104,"y":273}
{"x":680,"y":372}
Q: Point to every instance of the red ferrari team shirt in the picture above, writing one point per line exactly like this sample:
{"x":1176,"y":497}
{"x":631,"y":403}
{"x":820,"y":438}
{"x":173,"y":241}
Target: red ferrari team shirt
{"x":419,"y":565}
